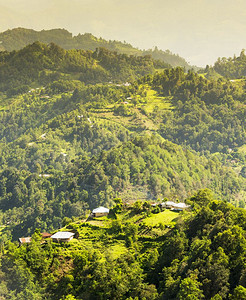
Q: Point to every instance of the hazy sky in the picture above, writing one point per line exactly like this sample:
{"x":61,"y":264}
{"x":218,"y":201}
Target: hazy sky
{"x":199,"y":30}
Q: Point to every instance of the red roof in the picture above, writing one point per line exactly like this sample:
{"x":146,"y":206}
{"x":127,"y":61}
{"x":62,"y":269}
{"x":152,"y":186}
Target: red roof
{"x":45,"y":235}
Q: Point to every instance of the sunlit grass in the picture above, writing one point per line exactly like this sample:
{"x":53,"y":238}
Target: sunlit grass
{"x":166,"y":218}
{"x":154,"y":101}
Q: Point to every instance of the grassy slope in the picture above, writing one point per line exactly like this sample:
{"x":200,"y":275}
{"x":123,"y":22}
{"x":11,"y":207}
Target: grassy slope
{"x":152,"y":101}
{"x":97,"y":233}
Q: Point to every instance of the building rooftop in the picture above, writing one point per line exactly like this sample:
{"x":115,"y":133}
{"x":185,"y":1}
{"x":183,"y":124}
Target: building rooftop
{"x":62,"y":235}
{"x":25,"y":240}
{"x":100,"y":210}
{"x":168,"y":203}
{"x":181,"y":205}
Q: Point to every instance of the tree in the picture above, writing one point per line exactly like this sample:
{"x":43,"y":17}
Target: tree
{"x":190,"y":289}
{"x":238,"y":293}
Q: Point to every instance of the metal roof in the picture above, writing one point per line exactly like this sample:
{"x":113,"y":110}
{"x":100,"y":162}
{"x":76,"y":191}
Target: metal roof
{"x":25,"y":239}
{"x":168,"y":203}
{"x":181,"y":205}
{"x":62,"y":235}
{"x":100,"y":210}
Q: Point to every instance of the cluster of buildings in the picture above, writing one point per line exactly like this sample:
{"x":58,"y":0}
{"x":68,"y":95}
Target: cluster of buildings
{"x":66,"y":236}
{"x":174,"y":206}
{"x":60,"y":236}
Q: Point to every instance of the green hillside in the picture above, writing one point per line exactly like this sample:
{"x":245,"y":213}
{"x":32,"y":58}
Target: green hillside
{"x":137,"y":252}
{"x":63,"y":152}
{"x":81,"y":129}
{"x":18,"y":38}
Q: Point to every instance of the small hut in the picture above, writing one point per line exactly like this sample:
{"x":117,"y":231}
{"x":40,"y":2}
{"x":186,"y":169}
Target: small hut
{"x":100,"y":212}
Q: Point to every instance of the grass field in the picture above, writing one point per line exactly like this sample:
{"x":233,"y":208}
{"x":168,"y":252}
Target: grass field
{"x":154,"y":101}
{"x":166,"y":217}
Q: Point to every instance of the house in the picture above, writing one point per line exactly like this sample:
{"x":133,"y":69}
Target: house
{"x":100,"y":212}
{"x":62,"y":236}
{"x":24,"y":240}
{"x":168,"y":204}
{"x":180,"y":206}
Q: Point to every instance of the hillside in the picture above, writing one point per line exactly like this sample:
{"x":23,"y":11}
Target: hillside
{"x":18,"y":38}
{"x":63,"y":152}
{"x":81,"y":129}
{"x":209,"y":115}
{"x":137,"y":252}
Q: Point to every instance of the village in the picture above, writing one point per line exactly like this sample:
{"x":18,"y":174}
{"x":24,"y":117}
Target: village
{"x":66,"y":236}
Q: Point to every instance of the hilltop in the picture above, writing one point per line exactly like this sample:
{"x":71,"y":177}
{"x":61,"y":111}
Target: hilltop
{"x":18,"y":38}
{"x":233,"y":68}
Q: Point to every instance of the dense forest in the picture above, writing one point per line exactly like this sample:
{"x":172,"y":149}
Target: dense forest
{"x":209,"y":114}
{"x":81,"y":129}
{"x":18,"y":38}
{"x":40,"y":64}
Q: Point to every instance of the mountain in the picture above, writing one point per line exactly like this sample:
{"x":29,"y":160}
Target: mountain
{"x":18,"y":38}
{"x":81,"y":129}
{"x":41,"y":64}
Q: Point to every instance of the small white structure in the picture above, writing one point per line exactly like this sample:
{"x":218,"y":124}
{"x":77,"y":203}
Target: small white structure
{"x":168,"y":204}
{"x":62,"y":236}
{"x":180,"y":206}
{"x":44,"y":175}
{"x":24,"y":240}
{"x":174,"y":206}
{"x":100,"y":212}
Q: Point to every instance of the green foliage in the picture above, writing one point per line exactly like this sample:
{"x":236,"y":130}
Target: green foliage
{"x":52,"y":65}
{"x":186,"y":262}
{"x":232,"y":67}
{"x":190,"y":289}
{"x":239,"y":293}
{"x":208,"y":114}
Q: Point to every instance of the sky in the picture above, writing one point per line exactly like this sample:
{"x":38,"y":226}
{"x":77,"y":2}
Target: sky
{"x":198,"y":30}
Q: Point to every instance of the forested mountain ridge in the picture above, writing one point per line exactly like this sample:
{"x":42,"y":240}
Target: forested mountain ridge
{"x":209,"y":114}
{"x":38,"y":64}
{"x":18,"y":38}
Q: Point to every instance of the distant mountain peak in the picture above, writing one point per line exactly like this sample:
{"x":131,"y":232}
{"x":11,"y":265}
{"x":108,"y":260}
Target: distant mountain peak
{"x":17,"y":38}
